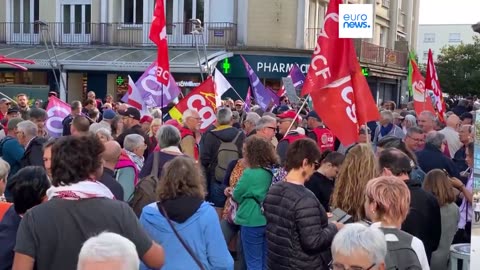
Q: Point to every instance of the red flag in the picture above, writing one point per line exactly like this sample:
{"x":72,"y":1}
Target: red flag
{"x":202,"y":99}
{"x":432,"y":84}
{"x":328,"y":63}
{"x":365,"y":105}
{"x":158,"y":35}
{"x":421,"y":100}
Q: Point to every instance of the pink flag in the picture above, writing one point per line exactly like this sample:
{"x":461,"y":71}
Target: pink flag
{"x":135,"y":98}
{"x":57,"y":110}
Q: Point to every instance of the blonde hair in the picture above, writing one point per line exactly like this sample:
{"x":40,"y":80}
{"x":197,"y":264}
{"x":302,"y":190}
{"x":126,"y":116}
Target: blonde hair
{"x":359,"y":166}
{"x":181,"y":177}
{"x":155,"y":121}
{"x":391,"y":197}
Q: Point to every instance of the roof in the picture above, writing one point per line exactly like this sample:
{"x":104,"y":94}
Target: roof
{"x":114,"y":59}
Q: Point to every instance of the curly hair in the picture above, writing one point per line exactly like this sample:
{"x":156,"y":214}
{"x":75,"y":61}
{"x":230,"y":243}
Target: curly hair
{"x":358,"y":168}
{"x":260,"y":153}
{"x":181,"y":177}
{"x":75,"y":159}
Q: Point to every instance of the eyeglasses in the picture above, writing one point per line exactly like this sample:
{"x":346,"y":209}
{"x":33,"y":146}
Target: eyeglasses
{"x":415,"y":139}
{"x":272,"y":128}
{"x":337,"y":266}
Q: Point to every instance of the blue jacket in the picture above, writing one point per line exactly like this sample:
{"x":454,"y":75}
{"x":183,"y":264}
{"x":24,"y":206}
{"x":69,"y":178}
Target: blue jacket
{"x":201,"y":232}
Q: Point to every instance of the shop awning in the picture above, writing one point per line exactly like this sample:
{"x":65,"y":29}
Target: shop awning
{"x":115,"y":59}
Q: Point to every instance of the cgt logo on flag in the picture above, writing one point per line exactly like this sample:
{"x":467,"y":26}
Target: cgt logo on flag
{"x":355,"y":21}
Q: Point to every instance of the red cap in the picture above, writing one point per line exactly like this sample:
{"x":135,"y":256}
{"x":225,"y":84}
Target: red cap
{"x":289,"y":115}
{"x":146,"y":119}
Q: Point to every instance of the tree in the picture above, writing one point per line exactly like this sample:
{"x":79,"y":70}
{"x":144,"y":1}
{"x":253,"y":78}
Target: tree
{"x":458,"y":68}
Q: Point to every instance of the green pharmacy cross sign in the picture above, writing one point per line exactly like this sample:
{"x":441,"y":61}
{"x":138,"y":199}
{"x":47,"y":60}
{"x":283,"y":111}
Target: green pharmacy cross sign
{"x":365,"y":71}
{"x":120,"y":80}
{"x":227,"y":68}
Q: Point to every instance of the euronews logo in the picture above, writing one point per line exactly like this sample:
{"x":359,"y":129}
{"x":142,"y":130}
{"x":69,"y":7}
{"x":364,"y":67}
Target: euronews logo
{"x":355,"y":21}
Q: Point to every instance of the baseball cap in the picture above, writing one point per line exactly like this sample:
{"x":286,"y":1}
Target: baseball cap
{"x":289,"y":115}
{"x":131,"y":112}
{"x":146,"y":119}
{"x":314,"y":115}
{"x":12,"y":123}
{"x":52,"y":93}
{"x":108,"y":114}
{"x":5,"y":100}
{"x":13,"y":110}
{"x":396,"y":115}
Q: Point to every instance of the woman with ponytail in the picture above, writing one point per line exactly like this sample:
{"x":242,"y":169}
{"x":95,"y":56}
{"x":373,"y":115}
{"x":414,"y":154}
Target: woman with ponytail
{"x":322,"y":181}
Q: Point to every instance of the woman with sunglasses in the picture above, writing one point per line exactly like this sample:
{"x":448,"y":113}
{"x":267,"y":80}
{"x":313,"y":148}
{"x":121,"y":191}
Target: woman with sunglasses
{"x":298,"y":233}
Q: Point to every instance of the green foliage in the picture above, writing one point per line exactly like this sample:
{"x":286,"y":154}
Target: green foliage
{"x":458,"y":68}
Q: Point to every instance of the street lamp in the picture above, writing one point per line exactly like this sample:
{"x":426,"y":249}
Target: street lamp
{"x":198,"y":30}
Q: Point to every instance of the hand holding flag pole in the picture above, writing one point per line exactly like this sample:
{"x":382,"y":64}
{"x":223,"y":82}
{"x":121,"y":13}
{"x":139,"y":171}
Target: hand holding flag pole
{"x":295,"y":118}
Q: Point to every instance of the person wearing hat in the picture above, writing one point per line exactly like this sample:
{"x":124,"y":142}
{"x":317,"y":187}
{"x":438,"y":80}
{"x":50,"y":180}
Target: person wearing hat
{"x":4,"y":106}
{"x":145,"y":121}
{"x":289,"y":136}
{"x":11,"y":150}
{"x":75,"y":110}
{"x":131,"y":123}
{"x":319,"y":133}
{"x":107,"y":119}
{"x":398,"y":119}
{"x":239,"y":107}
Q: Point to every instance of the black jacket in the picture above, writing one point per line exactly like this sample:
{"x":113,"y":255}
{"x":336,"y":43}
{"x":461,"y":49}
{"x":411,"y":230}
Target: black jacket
{"x":424,"y":219}
{"x":322,"y":187}
{"x":108,"y":179}
{"x":432,"y":158}
{"x":298,"y":233}
{"x":211,"y":143}
{"x":33,"y":155}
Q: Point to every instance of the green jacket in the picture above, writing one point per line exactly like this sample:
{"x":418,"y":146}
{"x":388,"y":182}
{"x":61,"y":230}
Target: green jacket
{"x":249,"y":193}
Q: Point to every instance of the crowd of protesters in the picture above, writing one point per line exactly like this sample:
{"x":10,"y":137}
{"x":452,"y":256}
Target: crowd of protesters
{"x":257,"y":190}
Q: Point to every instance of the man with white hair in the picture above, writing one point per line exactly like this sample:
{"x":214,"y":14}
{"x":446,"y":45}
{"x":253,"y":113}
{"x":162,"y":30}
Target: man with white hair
{"x":27,"y":132}
{"x":451,"y":134}
{"x":357,"y":246}
{"x":426,"y":121}
{"x":387,"y":128}
{"x":250,"y":122}
{"x":266,"y":127}
{"x":108,"y":251}
{"x":130,"y":163}
{"x":191,"y":125}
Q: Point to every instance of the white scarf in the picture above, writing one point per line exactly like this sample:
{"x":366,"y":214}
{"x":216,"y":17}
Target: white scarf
{"x":82,"y":190}
{"x":173,"y":149}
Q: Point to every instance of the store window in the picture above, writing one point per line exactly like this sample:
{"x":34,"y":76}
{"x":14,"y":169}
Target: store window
{"x":121,"y":86}
{"x":132,"y":11}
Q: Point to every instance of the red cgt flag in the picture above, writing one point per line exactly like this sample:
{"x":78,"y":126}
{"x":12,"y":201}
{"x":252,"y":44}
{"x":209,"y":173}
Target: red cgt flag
{"x":328,"y":63}
{"x":158,"y":35}
{"x":421,"y":101}
{"x":432,"y":84}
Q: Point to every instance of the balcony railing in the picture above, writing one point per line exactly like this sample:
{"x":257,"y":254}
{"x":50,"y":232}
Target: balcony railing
{"x":366,"y":52}
{"x":215,"y":34}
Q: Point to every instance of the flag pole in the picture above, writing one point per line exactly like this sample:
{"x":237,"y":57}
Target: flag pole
{"x":295,"y":118}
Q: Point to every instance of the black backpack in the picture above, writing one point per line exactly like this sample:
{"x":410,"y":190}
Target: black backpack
{"x":400,"y":254}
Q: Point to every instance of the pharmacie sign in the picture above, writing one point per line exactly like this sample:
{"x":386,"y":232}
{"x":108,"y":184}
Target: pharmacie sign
{"x":355,"y":21}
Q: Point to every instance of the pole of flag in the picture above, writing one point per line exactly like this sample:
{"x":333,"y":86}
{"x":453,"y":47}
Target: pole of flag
{"x":295,"y":118}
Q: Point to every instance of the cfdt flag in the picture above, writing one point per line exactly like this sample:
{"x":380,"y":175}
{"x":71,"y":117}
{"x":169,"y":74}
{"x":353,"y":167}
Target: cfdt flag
{"x":57,"y":110}
{"x":158,"y":35}
{"x":135,"y":98}
{"x":262,"y":97}
{"x":328,"y":64}
{"x":432,"y":84}
{"x":202,"y":99}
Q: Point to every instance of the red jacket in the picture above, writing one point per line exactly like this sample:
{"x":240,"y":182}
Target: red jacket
{"x":184,"y":132}
{"x":325,"y":138}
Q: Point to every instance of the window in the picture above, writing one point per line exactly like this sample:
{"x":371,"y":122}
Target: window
{"x":429,"y":38}
{"x":25,"y":13}
{"x":132,"y":11}
{"x":383,"y":37}
{"x":386,"y":3}
{"x":192,"y":9}
{"x":454,"y":37}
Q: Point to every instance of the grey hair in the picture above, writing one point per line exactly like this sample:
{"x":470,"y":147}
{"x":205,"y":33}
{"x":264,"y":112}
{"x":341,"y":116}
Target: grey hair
{"x":264,"y":121}
{"x":93,"y":128}
{"x":109,"y":246}
{"x":167,"y":136}
{"x":429,"y":114}
{"x":414,"y":130}
{"x":358,"y":237}
{"x":29,"y":128}
{"x":252,"y":117}
{"x":4,"y":170}
{"x":411,"y":119}
{"x":468,"y":127}
{"x":224,"y":116}
{"x":386,"y":114}
{"x":133,"y":141}
{"x":187,"y":114}
{"x":435,"y":138}
{"x":105,"y":132}
{"x":157,"y":113}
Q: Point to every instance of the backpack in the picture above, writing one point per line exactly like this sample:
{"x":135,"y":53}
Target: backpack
{"x":278,"y":174}
{"x":144,"y":192}
{"x":400,"y":255}
{"x":227,"y":152}
{"x":2,"y":142}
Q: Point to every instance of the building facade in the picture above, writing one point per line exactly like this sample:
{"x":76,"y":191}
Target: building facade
{"x":99,"y":42}
{"x":437,"y":36}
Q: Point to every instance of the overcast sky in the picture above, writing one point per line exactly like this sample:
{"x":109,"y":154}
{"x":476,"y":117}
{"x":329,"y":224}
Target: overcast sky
{"x":449,"y":12}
